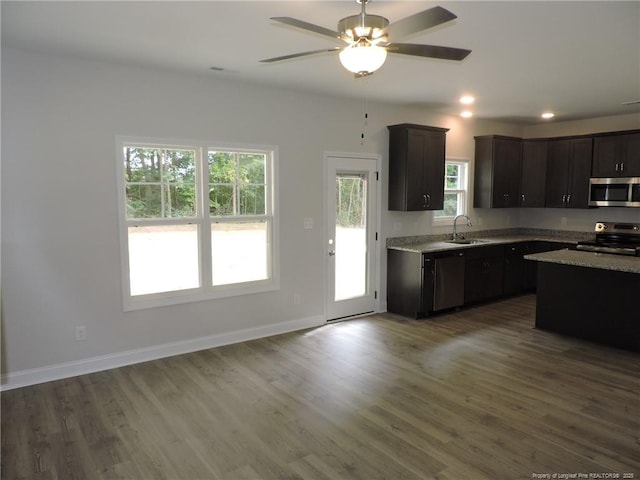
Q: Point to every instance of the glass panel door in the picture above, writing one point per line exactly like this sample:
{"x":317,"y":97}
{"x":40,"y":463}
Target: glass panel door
{"x":351,"y":192}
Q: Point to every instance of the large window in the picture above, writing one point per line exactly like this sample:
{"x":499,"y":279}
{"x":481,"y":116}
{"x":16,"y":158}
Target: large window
{"x":198,"y":221}
{"x":455,"y":192}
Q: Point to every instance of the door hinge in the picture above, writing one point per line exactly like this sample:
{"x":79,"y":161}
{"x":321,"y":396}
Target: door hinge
{"x":375,"y":294}
{"x":377,"y":177}
{"x":376,"y":236}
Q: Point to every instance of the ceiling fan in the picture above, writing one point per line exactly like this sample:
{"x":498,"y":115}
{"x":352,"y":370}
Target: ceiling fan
{"x":367,"y":37}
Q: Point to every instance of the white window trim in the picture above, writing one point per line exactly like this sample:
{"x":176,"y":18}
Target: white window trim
{"x":203,"y":221}
{"x":448,"y":221}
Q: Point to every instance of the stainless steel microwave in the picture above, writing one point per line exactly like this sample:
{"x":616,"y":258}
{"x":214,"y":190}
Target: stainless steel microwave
{"x":614,"y":192}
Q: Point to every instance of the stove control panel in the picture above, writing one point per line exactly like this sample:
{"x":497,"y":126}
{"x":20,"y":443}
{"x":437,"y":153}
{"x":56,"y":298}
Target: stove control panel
{"x":602,"y":227}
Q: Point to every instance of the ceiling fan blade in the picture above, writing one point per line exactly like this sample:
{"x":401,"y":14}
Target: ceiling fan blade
{"x":294,"y":22}
{"x":301,"y":54}
{"x":417,"y":22}
{"x":431,"y":51}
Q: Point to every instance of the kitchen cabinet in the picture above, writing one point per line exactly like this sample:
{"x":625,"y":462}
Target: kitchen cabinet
{"x":520,"y":275}
{"x":497,"y":171}
{"x":568,"y":172}
{"x":409,"y":284}
{"x":483,"y":273}
{"x":419,"y":284}
{"x":616,"y":155}
{"x":514,"y":263}
{"x":416,"y":167}
{"x":534,"y":173}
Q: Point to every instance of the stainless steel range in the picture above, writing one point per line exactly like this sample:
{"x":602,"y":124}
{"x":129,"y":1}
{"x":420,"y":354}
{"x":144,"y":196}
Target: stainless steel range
{"x":618,"y":238}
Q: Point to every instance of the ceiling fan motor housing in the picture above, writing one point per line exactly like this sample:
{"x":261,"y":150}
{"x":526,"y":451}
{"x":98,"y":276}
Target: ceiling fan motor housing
{"x":370,"y":27}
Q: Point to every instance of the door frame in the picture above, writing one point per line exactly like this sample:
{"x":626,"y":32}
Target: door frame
{"x":377,"y":248}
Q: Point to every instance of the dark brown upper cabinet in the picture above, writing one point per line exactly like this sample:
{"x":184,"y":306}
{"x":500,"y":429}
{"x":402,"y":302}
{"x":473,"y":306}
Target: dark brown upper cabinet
{"x":416,"y":167}
{"x":534,"y":173}
{"x":497,"y":172}
{"x":616,"y":155}
{"x":568,"y":172}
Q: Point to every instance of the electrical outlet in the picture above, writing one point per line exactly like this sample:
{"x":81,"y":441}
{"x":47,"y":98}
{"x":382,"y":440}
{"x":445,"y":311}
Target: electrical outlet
{"x":81,"y":333}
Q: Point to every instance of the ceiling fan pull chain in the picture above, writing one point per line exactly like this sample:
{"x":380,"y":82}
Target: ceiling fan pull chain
{"x":365,"y":103}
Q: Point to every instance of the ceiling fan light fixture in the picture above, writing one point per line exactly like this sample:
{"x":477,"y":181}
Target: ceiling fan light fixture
{"x":363,"y":59}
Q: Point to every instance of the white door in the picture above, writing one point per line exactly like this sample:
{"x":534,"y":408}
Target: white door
{"x":351,"y":199}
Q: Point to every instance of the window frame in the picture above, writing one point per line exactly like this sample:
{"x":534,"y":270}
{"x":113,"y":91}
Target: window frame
{"x":203,"y":221}
{"x":463,"y":193}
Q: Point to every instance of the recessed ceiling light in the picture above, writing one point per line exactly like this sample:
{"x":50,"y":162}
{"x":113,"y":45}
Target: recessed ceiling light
{"x":548,"y":115}
{"x":467,"y":99}
{"x":466,"y":114}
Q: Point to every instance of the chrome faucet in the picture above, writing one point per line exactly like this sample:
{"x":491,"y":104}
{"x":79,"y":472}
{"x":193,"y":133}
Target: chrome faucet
{"x":455,"y":231}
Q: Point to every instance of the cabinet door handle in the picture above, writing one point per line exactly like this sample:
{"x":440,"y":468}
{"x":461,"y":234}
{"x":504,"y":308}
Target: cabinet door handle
{"x":568,"y":199}
{"x":523,"y":199}
{"x":564,"y":199}
{"x":617,"y":167}
{"x":427,"y":200}
{"x":622,"y":166}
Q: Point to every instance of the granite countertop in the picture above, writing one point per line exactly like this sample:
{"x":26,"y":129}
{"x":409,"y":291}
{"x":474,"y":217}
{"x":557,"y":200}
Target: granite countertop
{"x":605,"y":261}
{"x":433,"y":244}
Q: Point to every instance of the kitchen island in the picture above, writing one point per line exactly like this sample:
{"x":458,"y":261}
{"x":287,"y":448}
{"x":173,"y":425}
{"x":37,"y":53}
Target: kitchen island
{"x":594,"y":296}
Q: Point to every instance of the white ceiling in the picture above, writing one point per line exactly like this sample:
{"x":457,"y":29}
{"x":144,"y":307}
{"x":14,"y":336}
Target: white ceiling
{"x":580,"y":59}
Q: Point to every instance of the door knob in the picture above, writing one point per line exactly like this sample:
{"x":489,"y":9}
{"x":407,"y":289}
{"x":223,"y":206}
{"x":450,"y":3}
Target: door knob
{"x":332,"y":253}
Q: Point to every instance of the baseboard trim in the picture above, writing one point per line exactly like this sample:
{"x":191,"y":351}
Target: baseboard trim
{"x":25,"y":378}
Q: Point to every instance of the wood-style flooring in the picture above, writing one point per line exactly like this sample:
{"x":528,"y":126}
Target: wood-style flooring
{"x":473,"y":394}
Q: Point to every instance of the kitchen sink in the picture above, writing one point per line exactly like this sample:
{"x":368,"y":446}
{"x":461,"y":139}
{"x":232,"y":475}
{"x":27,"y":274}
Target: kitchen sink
{"x":466,"y":241}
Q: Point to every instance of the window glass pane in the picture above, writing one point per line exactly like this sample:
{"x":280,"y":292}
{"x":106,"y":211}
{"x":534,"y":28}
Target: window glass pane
{"x":163,"y":258}
{"x":180,"y":166}
{"x":142,"y":164}
{"x":239,"y":252}
{"x":252,"y":200}
{"x":180,"y":201}
{"x":450,"y":206}
{"x":351,"y":236}
{"x":160,"y":183}
{"x":452,"y":179}
{"x":252,"y":168}
{"x":221,"y":200}
{"x":144,"y":201}
{"x":222,"y":167}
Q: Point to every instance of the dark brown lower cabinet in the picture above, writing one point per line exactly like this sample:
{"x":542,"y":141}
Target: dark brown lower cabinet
{"x":488,"y":272}
{"x":405,"y":283}
{"x":483,"y":274}
{"x":589,"y":303}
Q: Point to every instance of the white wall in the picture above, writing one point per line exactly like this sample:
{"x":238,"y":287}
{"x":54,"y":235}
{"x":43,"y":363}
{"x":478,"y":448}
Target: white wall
{"x":60,"y":247}
{"x":60,"y":250}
